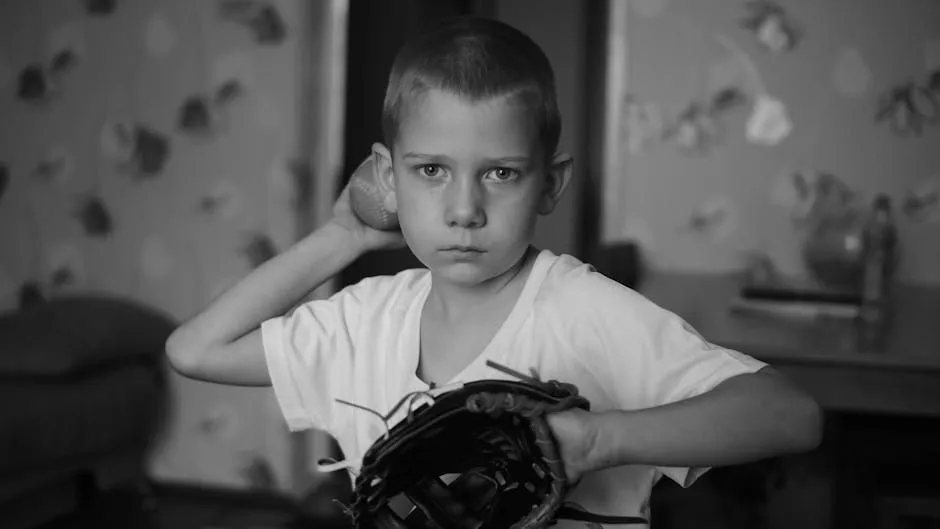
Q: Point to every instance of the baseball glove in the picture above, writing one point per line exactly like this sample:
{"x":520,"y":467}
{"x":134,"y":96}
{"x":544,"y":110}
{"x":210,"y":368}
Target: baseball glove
{"x":479,"y":455}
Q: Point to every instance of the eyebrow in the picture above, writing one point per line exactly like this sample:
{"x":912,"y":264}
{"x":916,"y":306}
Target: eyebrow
{"x":491,"y":161}
{"x":421,"y":156}
{"x":510,"y":159}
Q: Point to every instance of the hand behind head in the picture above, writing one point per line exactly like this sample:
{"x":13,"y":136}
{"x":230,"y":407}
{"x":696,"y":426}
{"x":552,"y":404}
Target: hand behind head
{"x":370,"y":238}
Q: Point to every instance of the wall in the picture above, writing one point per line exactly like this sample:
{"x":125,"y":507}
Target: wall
{"x":706,"y":210}
{"x":181,"y":213}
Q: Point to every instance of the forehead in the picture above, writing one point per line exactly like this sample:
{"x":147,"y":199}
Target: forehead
{"x":440,"y":122}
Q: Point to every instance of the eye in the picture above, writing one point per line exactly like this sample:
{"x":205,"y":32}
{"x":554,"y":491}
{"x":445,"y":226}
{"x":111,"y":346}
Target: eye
{"x":430,"y":170}
{"x":503,"y":174}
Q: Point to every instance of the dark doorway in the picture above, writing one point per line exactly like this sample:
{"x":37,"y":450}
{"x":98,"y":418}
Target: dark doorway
{"x":377,"y":28}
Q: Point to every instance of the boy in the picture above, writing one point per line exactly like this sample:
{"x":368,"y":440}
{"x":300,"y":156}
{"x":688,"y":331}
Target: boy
{"x":471,"y":125}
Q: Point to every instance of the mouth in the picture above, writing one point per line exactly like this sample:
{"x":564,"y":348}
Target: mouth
{"x":462,"y":251}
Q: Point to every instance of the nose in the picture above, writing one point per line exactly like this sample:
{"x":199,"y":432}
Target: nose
{"x":465,"y":204}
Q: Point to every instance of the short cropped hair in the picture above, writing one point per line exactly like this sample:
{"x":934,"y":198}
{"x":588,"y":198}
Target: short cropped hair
{"x":477,"y":59}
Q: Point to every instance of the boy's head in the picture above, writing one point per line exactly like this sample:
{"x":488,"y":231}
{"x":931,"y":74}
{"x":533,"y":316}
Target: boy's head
{"x":476,"y":59}
{"x":471,"y":125}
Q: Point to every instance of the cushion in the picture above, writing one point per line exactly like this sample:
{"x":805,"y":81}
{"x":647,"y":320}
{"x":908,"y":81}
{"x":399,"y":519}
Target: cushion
{"x":54,"y":422}
{"x":68,"y":335}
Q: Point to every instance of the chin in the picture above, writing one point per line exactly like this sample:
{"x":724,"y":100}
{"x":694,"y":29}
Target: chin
{"x":471,"y":273}
{"x":464,"y":274}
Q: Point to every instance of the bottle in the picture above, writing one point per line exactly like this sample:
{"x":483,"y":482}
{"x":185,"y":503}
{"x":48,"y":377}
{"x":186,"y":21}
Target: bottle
{"x":879,"y":261}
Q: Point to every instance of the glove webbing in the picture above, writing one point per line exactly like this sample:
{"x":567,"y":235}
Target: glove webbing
{"x":568,"y":510}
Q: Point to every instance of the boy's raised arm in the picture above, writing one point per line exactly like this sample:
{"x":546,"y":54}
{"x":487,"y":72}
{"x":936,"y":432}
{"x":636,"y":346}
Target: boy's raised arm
{"x":223,"y":343}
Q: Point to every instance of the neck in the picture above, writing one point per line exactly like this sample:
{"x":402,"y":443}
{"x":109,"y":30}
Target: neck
{"x":454,"y":301}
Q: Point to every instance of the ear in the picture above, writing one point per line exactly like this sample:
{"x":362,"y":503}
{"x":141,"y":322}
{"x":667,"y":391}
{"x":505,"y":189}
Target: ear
{"x":557,"y":176}
{"x":384,"y":175}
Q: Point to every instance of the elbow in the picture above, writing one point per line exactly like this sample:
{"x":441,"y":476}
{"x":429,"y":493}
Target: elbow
{"x":181,"y":356}
{"x":800,"y":418}
{"x":808,"y":425}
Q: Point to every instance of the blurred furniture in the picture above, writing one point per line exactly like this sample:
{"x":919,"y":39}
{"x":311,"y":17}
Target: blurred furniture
{"x":82,"y":382}
{"x":822,"y":354}
{"x":621,"y":262}
{"x":883,"y":404}
{"x":906,"y":512}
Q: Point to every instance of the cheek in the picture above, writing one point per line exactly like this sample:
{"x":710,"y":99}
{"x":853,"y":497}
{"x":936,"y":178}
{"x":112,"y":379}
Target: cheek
{"x":519,"y":207}
{"x":415,"y":211}
{"x":411,"y":200}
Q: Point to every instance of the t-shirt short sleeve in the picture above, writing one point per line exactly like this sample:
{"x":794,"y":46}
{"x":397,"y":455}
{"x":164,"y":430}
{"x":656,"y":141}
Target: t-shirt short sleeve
{"x":651,"y":356}
{"x":310,"y":353}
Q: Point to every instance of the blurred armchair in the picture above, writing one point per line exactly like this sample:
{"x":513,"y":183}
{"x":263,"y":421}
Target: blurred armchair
{"x":82,"y":386}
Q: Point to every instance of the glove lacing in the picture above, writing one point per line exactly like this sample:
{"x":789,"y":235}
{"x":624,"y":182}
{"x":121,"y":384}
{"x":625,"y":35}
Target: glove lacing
{"x":421,"y":397}
{"x":409,"y":400}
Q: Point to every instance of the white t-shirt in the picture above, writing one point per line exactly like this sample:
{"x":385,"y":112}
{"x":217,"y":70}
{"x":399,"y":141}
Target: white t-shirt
{"x":570,"y":323}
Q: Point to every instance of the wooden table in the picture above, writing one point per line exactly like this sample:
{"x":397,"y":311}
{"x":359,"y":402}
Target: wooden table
{"x":898,"y":382}
{"x":822,"y":355}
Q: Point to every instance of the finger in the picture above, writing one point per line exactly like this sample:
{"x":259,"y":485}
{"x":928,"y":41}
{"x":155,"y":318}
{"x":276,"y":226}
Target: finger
{"x":344,"y":194}
{"x":395,"y":241}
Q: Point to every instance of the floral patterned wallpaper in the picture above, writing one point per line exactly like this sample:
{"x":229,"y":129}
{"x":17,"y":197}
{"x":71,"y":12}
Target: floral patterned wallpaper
{"x":155,"y":149}
{"x":738,"y":113}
